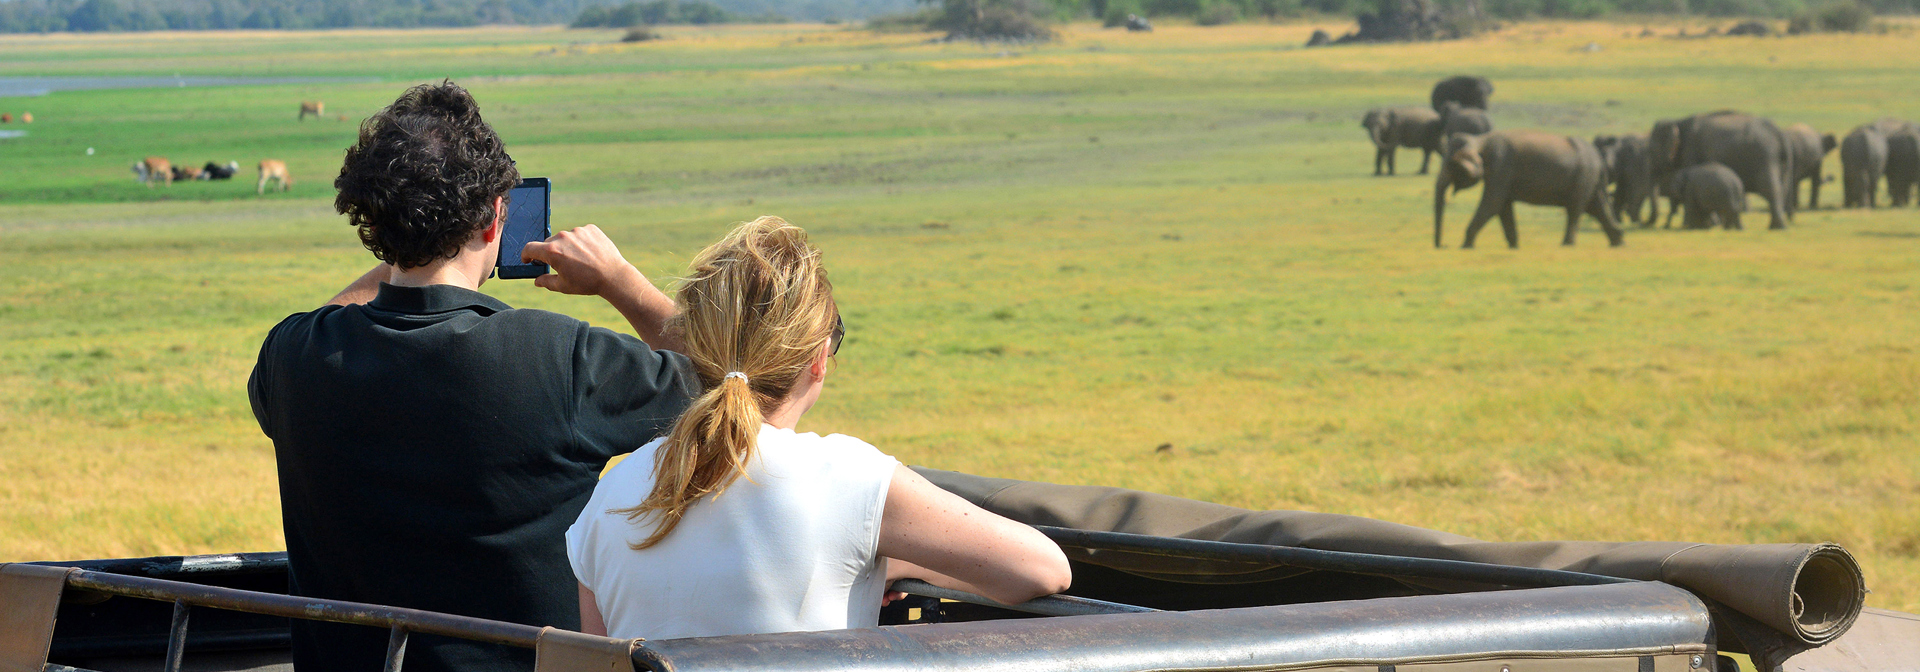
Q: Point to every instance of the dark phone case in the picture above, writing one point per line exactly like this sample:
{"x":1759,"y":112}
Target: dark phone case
{"x":533,"y":270}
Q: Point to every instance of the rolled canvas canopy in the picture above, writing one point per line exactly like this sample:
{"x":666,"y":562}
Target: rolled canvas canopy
{"x":1810,"y":593}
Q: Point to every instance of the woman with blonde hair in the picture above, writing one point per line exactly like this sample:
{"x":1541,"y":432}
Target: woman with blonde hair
{"x":735,"y":523}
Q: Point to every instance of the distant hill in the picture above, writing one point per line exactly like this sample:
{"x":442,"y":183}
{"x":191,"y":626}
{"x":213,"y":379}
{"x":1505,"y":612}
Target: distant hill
{"x":35,"y":16}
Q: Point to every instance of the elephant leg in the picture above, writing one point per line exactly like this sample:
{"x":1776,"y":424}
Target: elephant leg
{"x":1779,"y":209}
{"x":1813,"y":193}
{"x":1597,"y":208}
{"x":1793,"y":196}
{"x":1731,"y":218}
{"x":1426,"y":157}
{"x":1488,"y":208}
{"x":1695,"y":219}
{"x":1673,"y":208}
{"x":1379,"y":160}
{"x":1573,"y":225}
{"x":1509,"y":226}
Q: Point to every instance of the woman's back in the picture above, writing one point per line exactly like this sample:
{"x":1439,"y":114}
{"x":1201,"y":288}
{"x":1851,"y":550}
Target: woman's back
{"x":793,"y":546}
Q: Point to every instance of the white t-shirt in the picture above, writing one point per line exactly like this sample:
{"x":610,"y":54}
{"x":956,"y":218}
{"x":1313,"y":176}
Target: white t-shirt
{"x":793,"y":546}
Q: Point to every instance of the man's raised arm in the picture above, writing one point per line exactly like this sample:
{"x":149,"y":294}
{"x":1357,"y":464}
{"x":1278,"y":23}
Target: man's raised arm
{"x":363,"y":289}
{"x":586,"y":262}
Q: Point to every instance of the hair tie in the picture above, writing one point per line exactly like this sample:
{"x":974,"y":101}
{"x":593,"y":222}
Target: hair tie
{"x":735,"y":374}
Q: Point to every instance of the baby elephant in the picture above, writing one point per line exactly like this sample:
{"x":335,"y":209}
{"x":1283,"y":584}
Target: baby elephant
{"x":1529,"y":167}
{"x":1710,"y":192}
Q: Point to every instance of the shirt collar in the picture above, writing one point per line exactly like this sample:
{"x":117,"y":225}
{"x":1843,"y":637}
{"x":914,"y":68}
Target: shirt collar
{"x":435,"y":299}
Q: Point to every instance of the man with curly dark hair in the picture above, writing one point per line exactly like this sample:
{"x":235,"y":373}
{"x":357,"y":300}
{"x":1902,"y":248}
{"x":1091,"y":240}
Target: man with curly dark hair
{"x":434,"y":443}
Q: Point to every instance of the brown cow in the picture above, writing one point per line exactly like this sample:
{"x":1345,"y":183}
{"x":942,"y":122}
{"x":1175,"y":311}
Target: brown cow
{"x":273,"y":169}
{"x":26,"y":117}
{"x":6,"y":118}
{"x":314,"y":107}
{"x":153,"y":169}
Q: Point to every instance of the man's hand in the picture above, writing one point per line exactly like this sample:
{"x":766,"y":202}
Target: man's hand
{"x":586,"y":262}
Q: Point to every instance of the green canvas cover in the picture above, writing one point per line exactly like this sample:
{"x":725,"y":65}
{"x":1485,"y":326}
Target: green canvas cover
{"x":1807,"y":593}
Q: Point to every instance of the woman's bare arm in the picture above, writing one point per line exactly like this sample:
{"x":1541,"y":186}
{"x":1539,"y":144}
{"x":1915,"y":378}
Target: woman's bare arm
{"x":590,"y":620}
{"x":965,"y":547}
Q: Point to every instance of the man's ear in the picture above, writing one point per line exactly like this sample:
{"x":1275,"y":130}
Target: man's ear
{"x":499,"y":220}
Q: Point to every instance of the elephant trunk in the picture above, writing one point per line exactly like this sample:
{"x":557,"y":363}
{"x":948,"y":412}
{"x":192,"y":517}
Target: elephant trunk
{"x":1440,"y":203}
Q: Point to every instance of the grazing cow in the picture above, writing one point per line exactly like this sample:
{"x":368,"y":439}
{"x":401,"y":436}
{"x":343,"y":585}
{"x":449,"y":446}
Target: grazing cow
{"x":273,"y":169}
{"x":26,"y":117}
{"x":314,"y":107}
{"x":185,"y":173}
{"x":214,"y":171}
{"x":6,"y":118}
{"x":153,"y":169}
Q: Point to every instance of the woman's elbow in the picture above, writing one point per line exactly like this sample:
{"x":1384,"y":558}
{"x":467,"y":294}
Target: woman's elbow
{"x":1044,"y":576}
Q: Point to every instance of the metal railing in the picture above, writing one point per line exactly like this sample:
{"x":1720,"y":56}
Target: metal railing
{"x":400,"y":622}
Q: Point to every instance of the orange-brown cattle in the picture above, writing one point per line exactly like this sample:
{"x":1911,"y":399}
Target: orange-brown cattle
{"x":314,"y":107}
{"x":273,"y":169}
{"x":154,"y":169}
{"x":26,"y":117}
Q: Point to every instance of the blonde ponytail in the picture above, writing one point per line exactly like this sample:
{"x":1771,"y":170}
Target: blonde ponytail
{"x":753,"y":314}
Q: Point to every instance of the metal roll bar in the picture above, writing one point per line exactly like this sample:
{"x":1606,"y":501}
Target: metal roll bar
{"x":1335,"y":561}
{"x":397,"y":620}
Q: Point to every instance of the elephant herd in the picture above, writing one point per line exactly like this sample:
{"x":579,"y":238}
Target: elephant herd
{"x":1705,"y":163}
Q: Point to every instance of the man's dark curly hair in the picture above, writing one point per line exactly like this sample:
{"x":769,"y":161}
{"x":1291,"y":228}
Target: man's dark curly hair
{"x":422,"y":178}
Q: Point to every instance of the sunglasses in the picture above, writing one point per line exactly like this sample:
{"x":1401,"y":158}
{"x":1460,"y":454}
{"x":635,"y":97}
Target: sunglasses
{"x":839,"y":334}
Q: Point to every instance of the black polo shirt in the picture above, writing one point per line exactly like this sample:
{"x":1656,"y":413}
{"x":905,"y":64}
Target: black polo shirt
{"x":433,"y":446}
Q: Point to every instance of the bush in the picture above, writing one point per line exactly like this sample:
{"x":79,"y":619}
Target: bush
{"x":992,"y":20}
{"x":640,"y":34}
{"x":905,"y":22}
{"x":1171,"y":7}
{"x":653,"y":13}
{"x":1219,"y":12}
{"x":1274,"y":9}
{"x":1844,"y":16}
{"x":1117,"y":10}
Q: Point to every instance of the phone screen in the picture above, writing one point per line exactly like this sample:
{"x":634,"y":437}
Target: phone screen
{"x":527,"y":221}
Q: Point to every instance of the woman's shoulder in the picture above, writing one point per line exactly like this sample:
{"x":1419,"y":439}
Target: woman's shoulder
{"x":781,"y":444}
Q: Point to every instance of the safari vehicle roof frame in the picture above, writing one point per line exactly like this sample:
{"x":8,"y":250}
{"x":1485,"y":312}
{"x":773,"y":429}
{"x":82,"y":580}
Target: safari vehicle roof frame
{"x":400,"y":622}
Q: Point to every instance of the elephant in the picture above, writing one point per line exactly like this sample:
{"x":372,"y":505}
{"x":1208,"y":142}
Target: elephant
{"x":1466,"y":90}
{"x":1863,"y":158}
{"x":1753,"y":147}
{"x":1903,"y":163}
{"x":1810,"y":148}
{"x":1630,"y":171}
{"x":1456,"y":120}
{"x":1391,"y":128}
{"x":1709,"y":192}
{"x":1529,"y":167}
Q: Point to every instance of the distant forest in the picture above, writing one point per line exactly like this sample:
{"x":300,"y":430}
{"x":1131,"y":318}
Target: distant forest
{"x":41,"y":16}
{"x":27,"y":16}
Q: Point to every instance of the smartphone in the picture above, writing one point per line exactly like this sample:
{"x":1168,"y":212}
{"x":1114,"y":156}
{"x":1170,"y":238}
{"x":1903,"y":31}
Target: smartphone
{"x":528,"y":220}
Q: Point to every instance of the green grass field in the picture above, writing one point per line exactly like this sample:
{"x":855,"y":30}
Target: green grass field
{"x":1053,"y":260}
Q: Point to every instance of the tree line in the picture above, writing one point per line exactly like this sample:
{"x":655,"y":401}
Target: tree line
{"x":42,"y":16}
{"x":134,"y":15}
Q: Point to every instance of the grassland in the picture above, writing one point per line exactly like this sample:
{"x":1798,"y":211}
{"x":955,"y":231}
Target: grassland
{"x":1053,"y":260}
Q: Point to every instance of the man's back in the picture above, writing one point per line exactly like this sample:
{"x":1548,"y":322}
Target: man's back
{"x":433,"y":447}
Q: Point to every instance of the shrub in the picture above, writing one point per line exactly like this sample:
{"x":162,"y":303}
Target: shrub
{"x":1274,"y":9}
{"x":1219,"y":12}
{"x":992,"y":20}
{"x":640,"y":34}
{"x":1116,"y":13}
{"x":904,"y":22}
{"x":1171,"y":7}
{"x":1843,"y":16}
